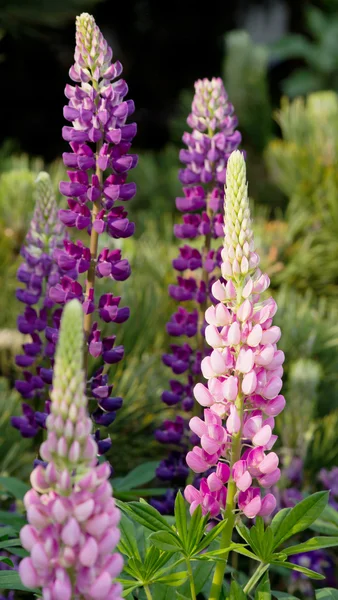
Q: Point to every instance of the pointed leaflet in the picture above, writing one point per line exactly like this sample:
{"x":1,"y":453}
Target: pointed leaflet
{"x":138,"y":476}
{"x":236,"y":592}
{"x":328,"y":522}
{"x":300,"y":517}
{"x":181,"y":517}
{"x":315,"y":543}
{"x":128,"y":545}
{"x":166,"y":540}
{"x":263,"y":591}
{"x":308,"y":572}
{"x":146,"y":515}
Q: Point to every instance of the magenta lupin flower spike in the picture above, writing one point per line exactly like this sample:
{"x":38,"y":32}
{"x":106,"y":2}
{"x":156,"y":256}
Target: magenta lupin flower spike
{"x":72,"y":526}
{"x":244,"y":372}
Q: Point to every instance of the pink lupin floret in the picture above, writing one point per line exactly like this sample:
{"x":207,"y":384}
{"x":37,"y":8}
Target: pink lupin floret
{"x":243,"y":371}
{"x":72,"y":529}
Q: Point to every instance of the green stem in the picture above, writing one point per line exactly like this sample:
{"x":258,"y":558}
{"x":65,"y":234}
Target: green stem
{"x":229,"y":515}
{"x":262,"y":567}
{"x":148,"y":592}
{"x":191,"y":580}
{"x":90,"y":282}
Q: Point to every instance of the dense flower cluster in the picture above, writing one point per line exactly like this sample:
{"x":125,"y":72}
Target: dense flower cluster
{"x":72,"y":518}
{"x":98,"y":163}
{"x":244,"y":373}
{"x":38,"y":273}
{"x":100,"y":139}
{"x":209,"y":145}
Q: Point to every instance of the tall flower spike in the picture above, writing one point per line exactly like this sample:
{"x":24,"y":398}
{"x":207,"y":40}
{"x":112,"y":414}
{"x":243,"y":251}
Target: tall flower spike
{"x":100,"y":139}
{"x":209,"y":145}
{"x":244,"y":373}
{"x":38,"y":273}
{"x":72,"y":518}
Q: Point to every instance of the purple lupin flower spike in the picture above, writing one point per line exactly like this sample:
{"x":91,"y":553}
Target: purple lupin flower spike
{"x":100,"y":139}
{"x":209,"y":145}
{"x":38,"y":273}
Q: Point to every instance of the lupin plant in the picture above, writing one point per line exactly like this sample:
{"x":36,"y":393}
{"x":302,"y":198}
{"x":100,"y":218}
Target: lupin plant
{"x":213,"y":138}
{"x":99,"y":163}
{"x":244,"y":374}
{"x":38,"y":273}
{"x":72,"y":527}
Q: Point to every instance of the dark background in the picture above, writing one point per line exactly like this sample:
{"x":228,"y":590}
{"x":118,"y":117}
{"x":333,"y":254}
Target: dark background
{"x":163,"y":46}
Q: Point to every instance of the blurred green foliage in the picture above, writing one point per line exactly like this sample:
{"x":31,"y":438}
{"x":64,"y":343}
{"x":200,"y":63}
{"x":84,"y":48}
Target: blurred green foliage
{"x":26,"y":16}
{"x":304,"y":164}
{"x":16,"y":456}
{"x":245,"y":77}
{"x":320,"y":53}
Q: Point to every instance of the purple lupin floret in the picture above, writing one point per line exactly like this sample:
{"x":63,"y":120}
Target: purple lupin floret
{"x":99,"y":161}
{"x":38,"y":273}
{"x":209,"y":145}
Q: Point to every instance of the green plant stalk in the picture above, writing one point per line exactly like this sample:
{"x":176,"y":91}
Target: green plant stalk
{"x":229,"y":515}
{"x":191,"y":579}
{"x":90,"y":282}
{"x":262,"y":567}
{"x":148,"y":592}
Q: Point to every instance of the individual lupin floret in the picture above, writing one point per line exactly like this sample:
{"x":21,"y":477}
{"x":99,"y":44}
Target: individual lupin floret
{"x":243,"y":371}
{"x":72,"y":526}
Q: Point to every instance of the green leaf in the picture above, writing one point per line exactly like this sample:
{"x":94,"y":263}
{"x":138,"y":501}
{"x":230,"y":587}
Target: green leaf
{"x":14,"y":486}
{"x":278,"y":519}
{"x":174,"y":578}
{"x":263,"y":591}
{"x":314,"y":543}
{"x":181,"y":517}
{"x":304,"y":570}
{"x":239,"y":548}
{"x":7,"y":518}
{"x":10,"y":580}
{"x":202,"y":573}
{"x":145,"y":514}
{"x":300,"y":517}
{"x":6,"y":531}
{"x":127,"y":542}
{"x":138,"y":476}
{"x":211,"y":536}
{"x":6,"y":560}
{"x":236,"y":592}
{"x":244,"y":532}
{"x":327,"y":594}
{"x":283,"y":596}
{"x":9,"y":543}
{"x":166,"y":540}
{"x":18,"y":551}
{"x":328,"y":522}
{"x":196,"y":528}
